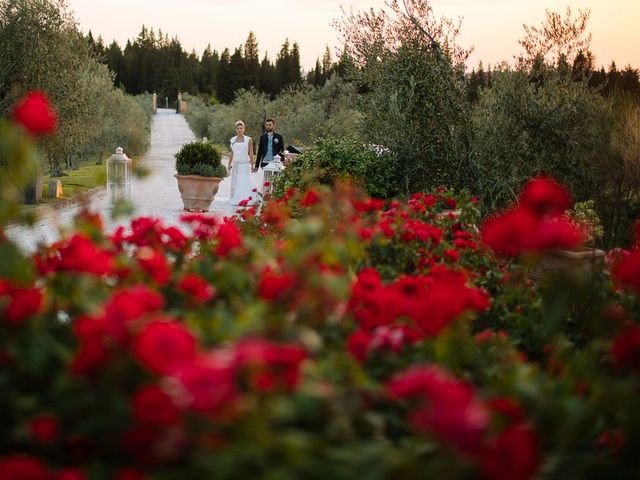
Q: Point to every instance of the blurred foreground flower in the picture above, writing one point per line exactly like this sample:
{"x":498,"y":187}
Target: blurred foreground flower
{"x":35,"y":113}
{"x":536,"y":223}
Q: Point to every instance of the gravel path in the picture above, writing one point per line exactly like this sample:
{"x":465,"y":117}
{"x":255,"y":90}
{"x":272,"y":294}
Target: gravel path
{"x":156,"y":195}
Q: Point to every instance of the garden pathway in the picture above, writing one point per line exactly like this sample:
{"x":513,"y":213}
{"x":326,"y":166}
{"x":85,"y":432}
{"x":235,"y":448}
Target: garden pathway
{"x":155,"y":195}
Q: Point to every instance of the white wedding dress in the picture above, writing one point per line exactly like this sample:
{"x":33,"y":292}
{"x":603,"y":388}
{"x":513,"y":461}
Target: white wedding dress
{"x":242,"y":185}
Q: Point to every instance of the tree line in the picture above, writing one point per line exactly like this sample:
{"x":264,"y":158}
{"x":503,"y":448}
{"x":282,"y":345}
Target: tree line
{"x":609,"y":82}
{"x":154,"y":62}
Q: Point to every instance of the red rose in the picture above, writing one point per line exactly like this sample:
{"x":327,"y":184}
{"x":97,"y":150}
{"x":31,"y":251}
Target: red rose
{"x":358,"y":345}
{"x":70,"y":474}
{"x":368,"y":280}
{"x":130,"y":304}
{"x":369,"y":205}
{"x":520,"y":230}
{"x":80,"y":254}
{"x":197,"y":287}
{"x":554,"y":233}
{"x":507,"y":408}
{"x":310,"y":198}
{"x":155,"y":264}
{"x":544,"y":196}
{"x":447,"y":298}
{"x":462,"y":425}
{"x":273,"y":285}
{"x":23,"y":302}
{"x":275,"y":214}
{"x":22,"y":467}
{"x":625,"y":350}
{"x":129,"y":474}
{"x":35,"y":113}
{"x":145,"y":232}
{"x":229,"y":237}
{"x":507,"y":233}
{"x":449,"y":408}
{"x":365,"y":233}
{"x":209,"y":385}
{"x":626,"y":269}
{"x":45,"y":428}
{"x":163,"y":346}
{"x":512,"y":455}
{"x":153,"y":407}
{"x":173,"y":239}
{"x":452,"y":254}
{"x":270,"y":365}
{"x":93,"y":353}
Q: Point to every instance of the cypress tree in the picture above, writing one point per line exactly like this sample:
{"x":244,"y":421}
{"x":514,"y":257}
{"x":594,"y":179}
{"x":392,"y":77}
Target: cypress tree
{"x":252,"y":62}
{"x":224,"y":86}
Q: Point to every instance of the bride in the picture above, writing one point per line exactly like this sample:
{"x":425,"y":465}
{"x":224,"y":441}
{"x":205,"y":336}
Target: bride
{"x":240,"y":163}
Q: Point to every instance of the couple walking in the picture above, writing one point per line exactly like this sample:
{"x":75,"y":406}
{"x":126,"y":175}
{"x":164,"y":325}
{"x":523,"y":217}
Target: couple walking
{"x":247,"y":177}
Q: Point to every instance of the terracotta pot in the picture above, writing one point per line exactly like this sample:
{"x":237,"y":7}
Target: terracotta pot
{"x":582,"y":261}
{"x":197,"y":192}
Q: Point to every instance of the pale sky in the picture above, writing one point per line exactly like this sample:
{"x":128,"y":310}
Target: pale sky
{"x":492,"y":27}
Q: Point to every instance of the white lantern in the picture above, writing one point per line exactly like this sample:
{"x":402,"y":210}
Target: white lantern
{"x":118,"y":177}
{"x":271,"y":171}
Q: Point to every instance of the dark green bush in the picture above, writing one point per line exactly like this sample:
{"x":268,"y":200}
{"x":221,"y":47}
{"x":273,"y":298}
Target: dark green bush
{"x":345,"y":158}
{"x":560,"y":127}
{"x":199,"y":158}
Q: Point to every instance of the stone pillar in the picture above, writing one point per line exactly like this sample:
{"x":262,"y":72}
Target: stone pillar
{"x":33,"y":191}
{"x":54,"y":189}
{"x":182,"y":105}
{"x":154,"y":103}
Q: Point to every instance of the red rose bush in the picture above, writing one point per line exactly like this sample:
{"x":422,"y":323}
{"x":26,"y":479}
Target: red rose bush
{"x":324,"y":335}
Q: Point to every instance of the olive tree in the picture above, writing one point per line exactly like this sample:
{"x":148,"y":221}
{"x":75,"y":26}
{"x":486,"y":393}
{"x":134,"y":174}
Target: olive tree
{"x":42,"y":48}
{"x":558,"y":38}
{"x":303,"y":114}
{"x":560,"y":128}
{"x":410,"y":75}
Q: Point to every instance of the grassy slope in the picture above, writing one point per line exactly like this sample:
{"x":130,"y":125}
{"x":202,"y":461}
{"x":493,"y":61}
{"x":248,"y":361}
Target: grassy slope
{"x":77,"y":181}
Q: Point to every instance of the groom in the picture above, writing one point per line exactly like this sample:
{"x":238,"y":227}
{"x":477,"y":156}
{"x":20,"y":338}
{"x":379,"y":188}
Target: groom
{"x":271,"y":143}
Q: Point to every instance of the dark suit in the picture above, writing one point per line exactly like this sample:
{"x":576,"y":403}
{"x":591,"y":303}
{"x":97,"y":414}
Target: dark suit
{"x":277,"y":145}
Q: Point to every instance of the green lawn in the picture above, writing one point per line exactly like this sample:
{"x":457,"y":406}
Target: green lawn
{"x":77,"y":181}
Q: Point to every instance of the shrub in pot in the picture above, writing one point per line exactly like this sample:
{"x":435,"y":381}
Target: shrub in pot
{"x":199,"y":173}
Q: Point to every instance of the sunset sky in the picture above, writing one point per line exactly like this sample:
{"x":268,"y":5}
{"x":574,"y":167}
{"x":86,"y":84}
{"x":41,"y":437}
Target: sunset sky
{"x":492,"y":27}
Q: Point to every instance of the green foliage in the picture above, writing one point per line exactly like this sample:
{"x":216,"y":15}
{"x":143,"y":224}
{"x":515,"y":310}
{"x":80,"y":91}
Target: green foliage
{"x":199,"y":115}
{"x":616,"y":200}
{"x":198,"y":158}
{"x":204,"y":170}
{"x":413,"y":97}
{"x":347,"y":158}
{"x":559,"y":127}
{"x":41,"y":48}
{"x":303,"y":115}
{"x":417,"y":108}
{"x":584,"y":214}
{"x":19,"y":164}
